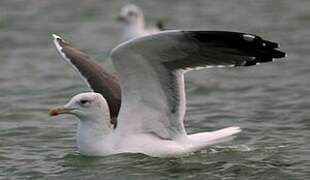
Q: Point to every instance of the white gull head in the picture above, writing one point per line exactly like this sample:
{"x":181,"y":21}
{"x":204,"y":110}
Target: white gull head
{"x":94,"y":126}
{"x":132,"y":19}
{"x":132,"y":15}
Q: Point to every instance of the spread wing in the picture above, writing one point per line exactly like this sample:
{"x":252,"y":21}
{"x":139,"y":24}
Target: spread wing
{"x":98,"y":79}
{"x":151,"y":72}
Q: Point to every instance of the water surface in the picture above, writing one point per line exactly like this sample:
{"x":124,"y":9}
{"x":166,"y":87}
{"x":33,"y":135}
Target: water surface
{"x":270,"y":102}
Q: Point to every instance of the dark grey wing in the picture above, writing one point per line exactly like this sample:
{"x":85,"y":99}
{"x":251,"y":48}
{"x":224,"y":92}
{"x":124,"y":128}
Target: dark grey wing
{"x":151,"y":72}
{"x":94,"y":75}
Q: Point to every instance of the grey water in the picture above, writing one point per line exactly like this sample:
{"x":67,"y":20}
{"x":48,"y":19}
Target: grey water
{"x":270,"y":102}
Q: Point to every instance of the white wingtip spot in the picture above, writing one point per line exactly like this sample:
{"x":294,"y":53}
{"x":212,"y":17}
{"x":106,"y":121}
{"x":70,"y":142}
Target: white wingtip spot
{"x":243,"y":63}
{"x":248,"y":37}
{"x":58,"y":47}
{"x":209,"y":66}
{"x":56,"y":36}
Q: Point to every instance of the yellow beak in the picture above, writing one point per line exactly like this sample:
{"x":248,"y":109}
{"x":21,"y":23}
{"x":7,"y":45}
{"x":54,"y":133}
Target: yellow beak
{"x":120,"y":18}
{"x":58,"y":110}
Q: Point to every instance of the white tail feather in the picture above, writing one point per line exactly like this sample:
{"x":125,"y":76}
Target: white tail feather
{"x":201,"y":140}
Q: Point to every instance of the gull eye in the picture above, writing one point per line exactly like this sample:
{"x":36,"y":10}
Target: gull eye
{"x":131,"y":13}
{"x":84,"y":102}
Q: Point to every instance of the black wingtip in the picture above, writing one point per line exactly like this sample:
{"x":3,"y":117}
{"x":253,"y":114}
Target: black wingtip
{"x":55,"y":36}
{"x":160,"y":25}
{"x":250,"y":63}
{"x":270,"y":44}
{"x":279,"y":54}
{"x":245,"y":44}
{"x":59,"y":40}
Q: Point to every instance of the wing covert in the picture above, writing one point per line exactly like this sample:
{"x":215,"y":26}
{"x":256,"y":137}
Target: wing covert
{"x":151,"y":72}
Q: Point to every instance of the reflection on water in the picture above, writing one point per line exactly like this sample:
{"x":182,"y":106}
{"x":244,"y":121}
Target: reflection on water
{"x":268,"y":101}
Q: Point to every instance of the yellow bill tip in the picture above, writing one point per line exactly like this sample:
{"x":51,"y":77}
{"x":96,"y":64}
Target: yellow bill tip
{"x":57,"y":111}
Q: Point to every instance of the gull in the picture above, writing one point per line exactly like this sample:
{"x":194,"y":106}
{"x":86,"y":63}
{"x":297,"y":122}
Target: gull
{"x":132,"y":19}
{"x":153,"y":104}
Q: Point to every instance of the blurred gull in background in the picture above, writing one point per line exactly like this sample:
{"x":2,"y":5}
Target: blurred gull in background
{"x":132,"y":18}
